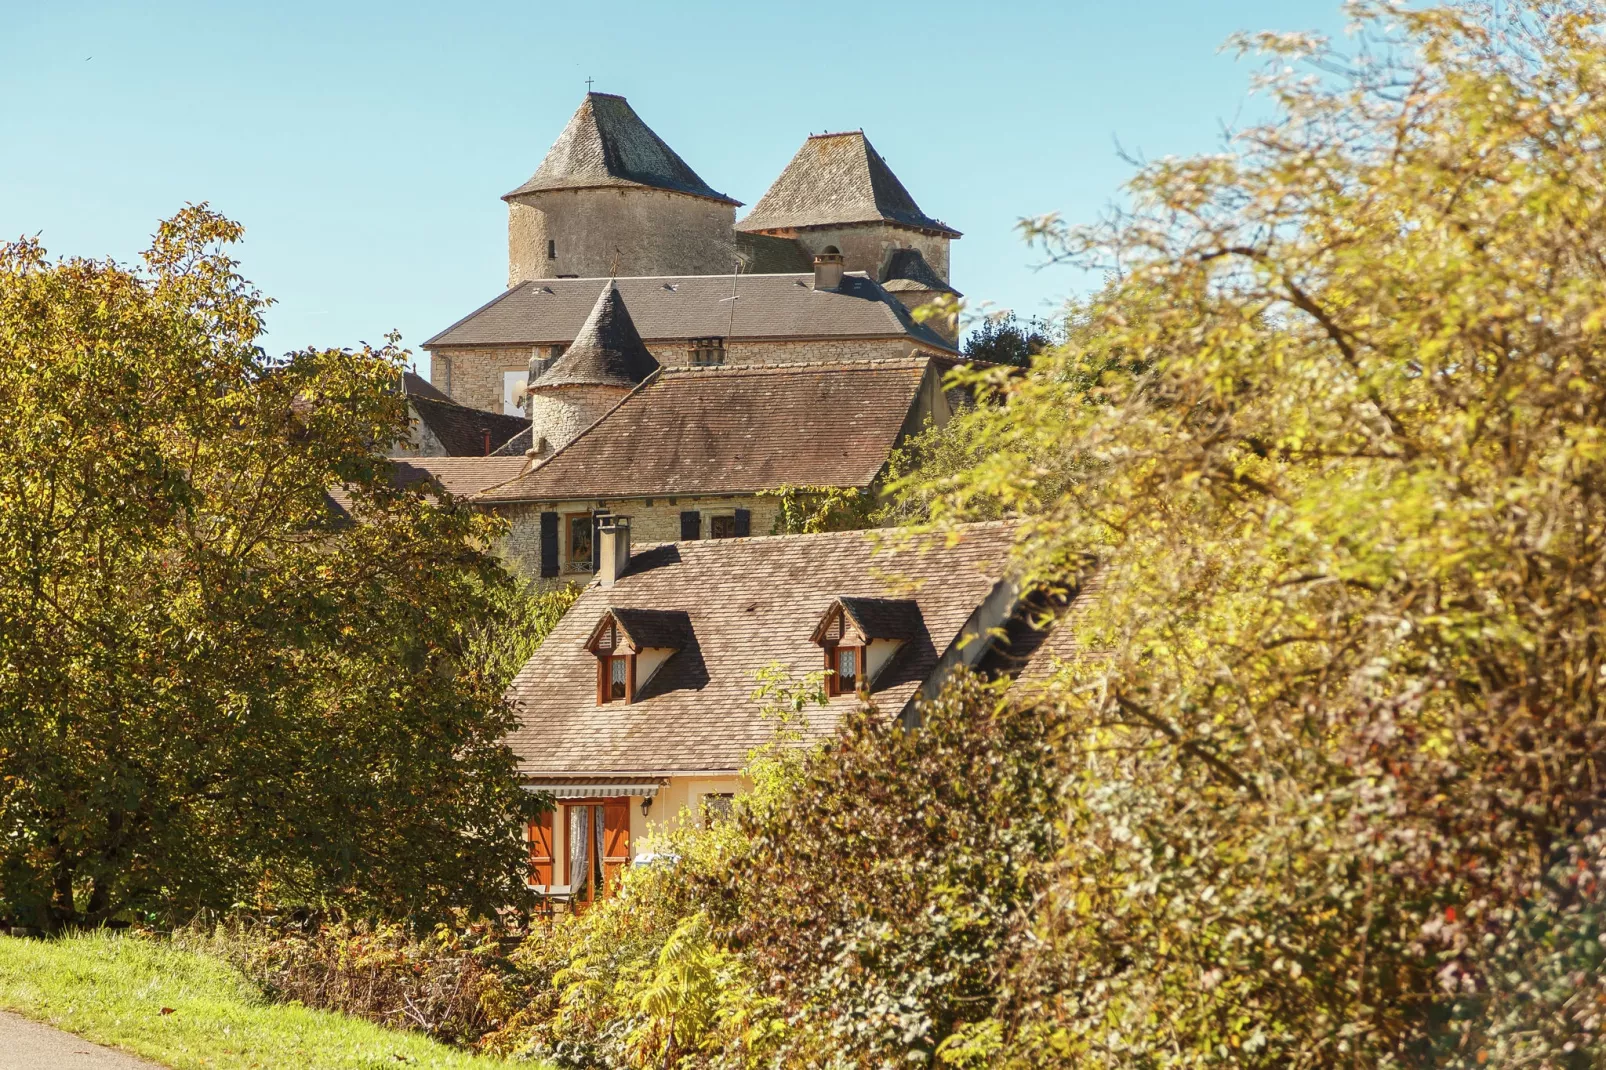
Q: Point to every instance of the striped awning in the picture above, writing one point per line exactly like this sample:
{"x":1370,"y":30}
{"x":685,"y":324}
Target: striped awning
{"x":594,"y":789}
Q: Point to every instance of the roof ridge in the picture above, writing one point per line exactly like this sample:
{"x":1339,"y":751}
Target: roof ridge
{"x":800,"y":367}
{"x":705,"y":545}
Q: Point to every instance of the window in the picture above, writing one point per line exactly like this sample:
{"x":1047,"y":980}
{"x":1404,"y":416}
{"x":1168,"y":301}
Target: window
{"x":618,"y":675}
{"x":512,"y":387}
{"x":551,"y":249}
{"x":847,"y":669}
{"x":716,"y":807}
{"x":722,"y":527}
{"x":707,"y":352}
{"x":579,"y":527}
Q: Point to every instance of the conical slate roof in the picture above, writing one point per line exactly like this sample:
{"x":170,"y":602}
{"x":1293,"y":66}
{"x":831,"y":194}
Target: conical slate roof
{"x":607,"y":145}
{"x":835,"y":179}
{"x":606,"y":352}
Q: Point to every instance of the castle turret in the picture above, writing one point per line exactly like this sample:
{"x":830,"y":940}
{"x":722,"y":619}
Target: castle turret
{"x":839,"y":196}
{"x":606,"y":361}
{"x":611,"y":198}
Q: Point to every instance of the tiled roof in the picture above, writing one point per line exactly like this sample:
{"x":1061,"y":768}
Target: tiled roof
{"x":907,"y":270}
{"x":736,"y":430}
{"x":517,"y":446}
{"x":765,"y":254}
{"x":669,"y":308}
{"x":607,"y":145}
{"x":460,"y":477}
{"x":461,"y":430}
{"x":836,"y":179}
{"x":607,"y":351}
{"x":750,"y":603}
{"x":416,"y":386}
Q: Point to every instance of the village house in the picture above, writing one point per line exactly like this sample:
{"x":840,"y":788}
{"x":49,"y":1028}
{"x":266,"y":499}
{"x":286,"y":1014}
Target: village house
{"x":828,"y":264}
{"x":638,"y":709}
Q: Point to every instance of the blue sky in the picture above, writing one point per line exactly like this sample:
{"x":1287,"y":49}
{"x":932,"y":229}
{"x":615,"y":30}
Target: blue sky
{"x":365,"y":145}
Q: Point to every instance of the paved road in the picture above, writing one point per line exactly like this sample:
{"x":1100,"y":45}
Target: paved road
{"x":26,"y":1045}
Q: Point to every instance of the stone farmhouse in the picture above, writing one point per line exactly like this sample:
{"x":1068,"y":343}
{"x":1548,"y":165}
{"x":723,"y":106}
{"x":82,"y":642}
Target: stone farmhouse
{"x":638,"y":707}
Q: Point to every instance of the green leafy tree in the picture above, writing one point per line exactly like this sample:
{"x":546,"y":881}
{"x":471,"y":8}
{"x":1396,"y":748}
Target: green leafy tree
{"x":216,"y":687}
{"x":1006,"y":340}
{"x":1334,"y":792}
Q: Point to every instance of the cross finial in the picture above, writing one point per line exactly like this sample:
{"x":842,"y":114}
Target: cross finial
{"x":588,"y":85}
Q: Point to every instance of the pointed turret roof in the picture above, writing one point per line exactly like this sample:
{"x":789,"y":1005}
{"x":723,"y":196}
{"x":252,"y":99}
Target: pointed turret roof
{"x":836,"y":179}
{"x":607,"y":145}
{"x":607,"y":352}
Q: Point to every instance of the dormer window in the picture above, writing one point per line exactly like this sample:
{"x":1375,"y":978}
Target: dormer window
{"x":860,"y":636}
{"x":631,"y":645}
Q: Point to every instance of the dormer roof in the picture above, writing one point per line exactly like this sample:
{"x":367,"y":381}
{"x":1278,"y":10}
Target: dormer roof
{"x":607,"y":145}
{"x":608,"y":351}
{"x":872,"y":618}
{"x":644,"y":629}
{"x":908,"y":271}
{"x":838,"y":179}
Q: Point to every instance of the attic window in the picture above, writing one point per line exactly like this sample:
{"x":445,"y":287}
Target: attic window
{"x":707,"y":352}
{"x":631,"y":645}
{"x":861,"y":636}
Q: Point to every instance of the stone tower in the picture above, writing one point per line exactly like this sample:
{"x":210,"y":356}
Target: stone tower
{"x":612,"y":199}
{"x":839,"y":196}
{"x":606,"y":361}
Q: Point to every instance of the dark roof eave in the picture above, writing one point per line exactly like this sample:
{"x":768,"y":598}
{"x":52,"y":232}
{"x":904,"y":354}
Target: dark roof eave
{"x":941,"y":230}
{"x":718,"y":198}
{"x":723,"y":492}
{"x":942,"y":347}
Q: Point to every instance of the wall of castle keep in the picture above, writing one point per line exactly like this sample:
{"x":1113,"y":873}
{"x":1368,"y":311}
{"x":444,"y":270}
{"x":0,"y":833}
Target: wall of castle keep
{"x":866,"y":246}
{"x":472,"y":375}
{"x":597,"y":233}
{"x":652,"y":520}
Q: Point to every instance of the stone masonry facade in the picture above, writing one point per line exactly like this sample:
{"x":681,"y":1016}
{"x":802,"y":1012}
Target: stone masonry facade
{"x":652,"y":520}
{"x":602,"y":233}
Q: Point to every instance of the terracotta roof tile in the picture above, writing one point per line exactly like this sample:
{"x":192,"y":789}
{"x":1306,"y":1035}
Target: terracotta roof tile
{"x":750,"y":603}
{"x":736,"y":430}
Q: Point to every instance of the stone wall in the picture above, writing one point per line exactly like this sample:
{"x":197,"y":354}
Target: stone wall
{"x":652,"y":520}
{"x":419,"y":441}
{"x":598,"y":233}
{"x":472,"y":375}
{"x":866,"y":246}
{"x":559,"y":413}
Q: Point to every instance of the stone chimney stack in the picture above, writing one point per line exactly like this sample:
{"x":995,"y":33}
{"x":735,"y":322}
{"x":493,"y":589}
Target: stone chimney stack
{"x":614,"y":549}
{"x":827,"y":271}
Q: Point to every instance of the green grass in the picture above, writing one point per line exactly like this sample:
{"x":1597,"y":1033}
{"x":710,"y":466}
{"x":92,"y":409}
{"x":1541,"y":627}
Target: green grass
{"x":111,"y":989}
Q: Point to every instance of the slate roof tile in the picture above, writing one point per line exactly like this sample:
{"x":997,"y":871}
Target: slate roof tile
{"x":749,"y":603}
{"x":673,"y":308}
{"x":605,"y":145}
{"x":607,"y":350}
{"x":836,"y":179}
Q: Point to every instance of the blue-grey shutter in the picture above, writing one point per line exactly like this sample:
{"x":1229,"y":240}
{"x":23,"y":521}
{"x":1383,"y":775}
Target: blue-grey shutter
{"x":744,"y":523}
{"x":549,"y":544}
{"x":691,"y":525}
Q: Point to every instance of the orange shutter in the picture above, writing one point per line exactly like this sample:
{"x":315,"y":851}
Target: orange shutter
{"x":615,"y":841}
{"x":541,"y":849}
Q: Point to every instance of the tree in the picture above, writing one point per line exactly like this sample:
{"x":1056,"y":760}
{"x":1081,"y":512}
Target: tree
{"x":1334,"y":784}
{"x":215,"y":686}
{"x":1005,"y":340}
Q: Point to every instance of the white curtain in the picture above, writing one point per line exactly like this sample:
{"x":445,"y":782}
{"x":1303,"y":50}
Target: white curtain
{"x":579,"y":847}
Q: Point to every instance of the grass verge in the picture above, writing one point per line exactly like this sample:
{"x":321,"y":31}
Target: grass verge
{"x":187,"y":1010}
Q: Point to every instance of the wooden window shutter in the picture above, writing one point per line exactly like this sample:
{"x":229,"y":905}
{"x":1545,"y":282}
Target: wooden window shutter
{"x":615,"y":842}
{"x":549,"y":544}
{"x":691,"y":525}
{"x":744,"y":523}
{"x":541,"y":850}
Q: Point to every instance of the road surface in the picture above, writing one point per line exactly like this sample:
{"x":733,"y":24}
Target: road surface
{"x":26,"y":1045}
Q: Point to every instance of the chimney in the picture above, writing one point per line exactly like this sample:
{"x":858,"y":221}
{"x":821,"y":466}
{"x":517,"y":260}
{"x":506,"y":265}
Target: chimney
{"x":614,"y":538}
{"x":827,"y":271}
{"x":486,"y":431}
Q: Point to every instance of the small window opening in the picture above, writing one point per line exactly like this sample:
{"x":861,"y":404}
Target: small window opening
{"x":617,"y":674}
{"x":847,"y":669}
{"x":707,"y":352}
{"x":551,"y":249}
{"x":717,"y":807}
{"x":722,"y":527}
